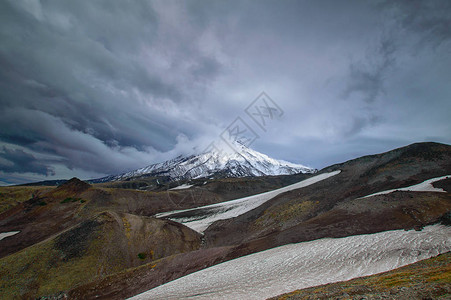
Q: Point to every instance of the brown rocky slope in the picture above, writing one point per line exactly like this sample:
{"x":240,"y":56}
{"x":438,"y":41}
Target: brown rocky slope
{"x":330,"y":208}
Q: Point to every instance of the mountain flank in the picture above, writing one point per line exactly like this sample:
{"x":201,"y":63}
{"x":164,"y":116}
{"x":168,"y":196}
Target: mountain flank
{"x":106,"y":237}
{"x":105,"y":244}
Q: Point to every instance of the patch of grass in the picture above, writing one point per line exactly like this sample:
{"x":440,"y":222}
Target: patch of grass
{"x":127,"y":227}
{"x":442,"y":277}
{"x":66,"y":200}
{"x":70,"y":199}
{"x":142,"y":255}
{"x":10,"y":196}
{"x":393,"y":280}
{"x":286,"y":212}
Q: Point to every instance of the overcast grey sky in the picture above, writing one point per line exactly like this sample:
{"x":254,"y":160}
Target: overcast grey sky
{"x":90,"y":88}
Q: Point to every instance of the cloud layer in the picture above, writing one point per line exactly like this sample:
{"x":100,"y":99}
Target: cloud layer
{"x":101,"y":87}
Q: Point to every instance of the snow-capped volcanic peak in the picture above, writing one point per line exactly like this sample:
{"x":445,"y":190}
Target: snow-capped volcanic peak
{"x":218,"y":163}
{"x":249,"y":161}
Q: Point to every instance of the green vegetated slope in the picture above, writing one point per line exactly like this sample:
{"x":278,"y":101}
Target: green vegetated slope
{"x":105,"y":244}
{"x":427,"y":279}
{"x":57,"y":209}
{"x":11,"y":196}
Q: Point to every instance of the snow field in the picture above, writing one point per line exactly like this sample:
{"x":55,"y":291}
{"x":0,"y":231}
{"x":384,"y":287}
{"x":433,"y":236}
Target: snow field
{"x":181,"y":187}
{"x":425,"y":186}
{"x":204,"y":216}
{"x":296,"y":266}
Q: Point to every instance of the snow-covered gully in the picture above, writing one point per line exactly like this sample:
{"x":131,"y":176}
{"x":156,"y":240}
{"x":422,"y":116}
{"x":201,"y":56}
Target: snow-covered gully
{"x":7,"y":234}
{"x":425,"y":186}
{"x":200,"y":218}
{"x":181,"y":187}
{"x":295,"y":266}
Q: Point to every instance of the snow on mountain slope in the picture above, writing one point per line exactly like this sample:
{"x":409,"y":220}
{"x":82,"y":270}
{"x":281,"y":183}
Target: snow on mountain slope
{"x":425,"y":186}
{"x":7,"y":234}
{"x":296,"y":266}
{"x":201,"y":217}
{"x":181,"y":187}
{"x":240,"y":163}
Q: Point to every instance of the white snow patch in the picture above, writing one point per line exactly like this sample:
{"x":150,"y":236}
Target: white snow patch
{"x":181,"y":187}
{"x":296,"y":266}
{"x":204,"y":216}
{"x":7,"y":234}
{"x":425,"y":186}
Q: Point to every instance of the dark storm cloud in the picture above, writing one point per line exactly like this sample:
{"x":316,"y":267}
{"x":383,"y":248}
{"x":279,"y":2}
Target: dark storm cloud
{"x":429,"y":25}
{"x":367,"y":78}
{"x":431,"y":19}
{"x":84,"y":81}
{"x":97,"y":87}
{"x":18,"y":161}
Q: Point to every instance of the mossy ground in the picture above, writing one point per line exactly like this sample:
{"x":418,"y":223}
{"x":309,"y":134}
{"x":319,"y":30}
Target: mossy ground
{"x":12,"y":195}
{"x":288,"y":211}
{"x":45,"y":269}
{"x":95,"y":248}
